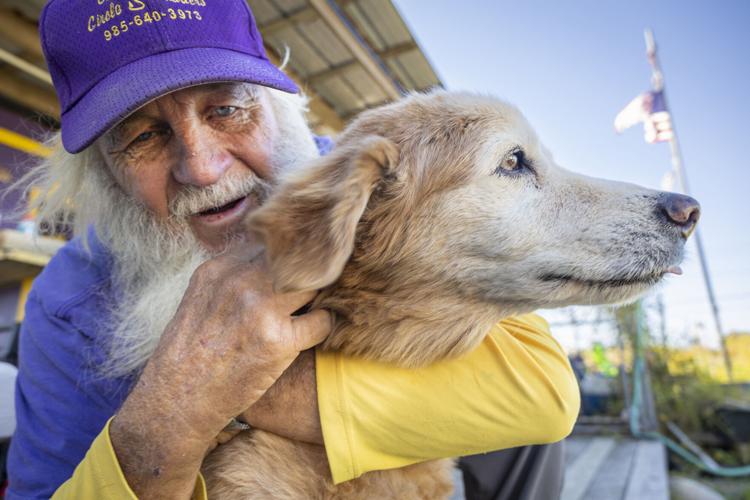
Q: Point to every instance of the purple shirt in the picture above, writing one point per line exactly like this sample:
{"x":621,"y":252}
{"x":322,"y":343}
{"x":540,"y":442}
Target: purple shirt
{"x":61,"y":402}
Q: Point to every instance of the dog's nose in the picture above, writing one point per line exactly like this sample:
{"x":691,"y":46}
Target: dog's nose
{"x":681,"y":210}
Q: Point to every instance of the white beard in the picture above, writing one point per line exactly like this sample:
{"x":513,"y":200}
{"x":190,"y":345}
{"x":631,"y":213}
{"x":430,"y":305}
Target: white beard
{"x":154,"y":259}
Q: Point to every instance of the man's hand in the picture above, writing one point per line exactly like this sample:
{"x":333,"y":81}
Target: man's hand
{"x":228,"y":343}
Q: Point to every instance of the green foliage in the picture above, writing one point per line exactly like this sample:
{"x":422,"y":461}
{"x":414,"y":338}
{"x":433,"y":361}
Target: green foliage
{"x":684,"y":390}
{"x":687,"y":399}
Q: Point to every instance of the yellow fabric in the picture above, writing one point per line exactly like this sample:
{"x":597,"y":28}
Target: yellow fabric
{"x":99,"y":476}
{"x":517,"y":388}
{"x":23,"y":294}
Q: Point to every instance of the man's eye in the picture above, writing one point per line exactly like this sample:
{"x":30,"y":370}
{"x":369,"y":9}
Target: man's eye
{"x":144,"y":137}
{"x":147,"y":138}
{"x":224,"y":111}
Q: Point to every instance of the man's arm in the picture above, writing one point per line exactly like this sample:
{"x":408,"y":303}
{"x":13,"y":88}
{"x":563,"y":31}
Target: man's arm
{"x":515,"y":389}
{"x":230,"y":340}
{"x":288,"y":408}
{"x":99,"y":475}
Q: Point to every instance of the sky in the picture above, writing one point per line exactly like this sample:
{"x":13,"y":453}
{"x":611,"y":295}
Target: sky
{"x":572,"y":66}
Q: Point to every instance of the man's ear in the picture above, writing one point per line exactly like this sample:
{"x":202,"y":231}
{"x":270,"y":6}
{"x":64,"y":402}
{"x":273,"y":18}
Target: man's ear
{"x":308,"y":226}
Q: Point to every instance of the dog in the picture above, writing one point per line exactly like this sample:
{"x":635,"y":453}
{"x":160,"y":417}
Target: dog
{"x":433,"y":218}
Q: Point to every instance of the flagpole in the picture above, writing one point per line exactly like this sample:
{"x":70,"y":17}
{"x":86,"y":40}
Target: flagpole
{"x":657,"y":80}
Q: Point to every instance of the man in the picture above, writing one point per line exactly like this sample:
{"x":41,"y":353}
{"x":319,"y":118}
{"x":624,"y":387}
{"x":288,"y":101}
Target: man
{"x":157,"y":325}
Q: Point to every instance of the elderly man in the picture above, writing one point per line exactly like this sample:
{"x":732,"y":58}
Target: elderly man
{"x":157,"y":324}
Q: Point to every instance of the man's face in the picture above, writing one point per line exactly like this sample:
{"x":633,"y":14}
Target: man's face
{"x":202,"y":154}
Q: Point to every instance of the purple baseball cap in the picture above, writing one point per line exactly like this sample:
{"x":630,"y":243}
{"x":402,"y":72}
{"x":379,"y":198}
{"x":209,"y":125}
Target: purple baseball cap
{"x":108,"y":58}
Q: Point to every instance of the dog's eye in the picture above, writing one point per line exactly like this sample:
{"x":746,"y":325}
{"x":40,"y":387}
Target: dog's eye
{"x":512,"y":162}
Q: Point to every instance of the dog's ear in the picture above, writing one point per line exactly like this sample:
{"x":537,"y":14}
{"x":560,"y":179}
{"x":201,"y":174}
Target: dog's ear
{"x":308,"y":226}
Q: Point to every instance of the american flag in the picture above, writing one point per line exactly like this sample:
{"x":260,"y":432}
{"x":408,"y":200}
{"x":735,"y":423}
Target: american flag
{"x":650,"y":109}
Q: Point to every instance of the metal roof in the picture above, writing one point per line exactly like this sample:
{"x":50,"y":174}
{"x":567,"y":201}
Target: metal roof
{"x":326,"y":61}
{"x":348,"y":55}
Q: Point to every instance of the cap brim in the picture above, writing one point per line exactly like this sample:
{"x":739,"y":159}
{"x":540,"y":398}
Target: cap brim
{"x":130,"y":87}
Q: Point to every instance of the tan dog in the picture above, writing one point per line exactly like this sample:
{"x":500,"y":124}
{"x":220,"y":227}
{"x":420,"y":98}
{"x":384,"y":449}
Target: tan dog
{"x":440,"y":213}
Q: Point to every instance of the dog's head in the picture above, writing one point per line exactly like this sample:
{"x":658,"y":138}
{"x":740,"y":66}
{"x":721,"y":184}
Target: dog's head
{"x":454,"y":192}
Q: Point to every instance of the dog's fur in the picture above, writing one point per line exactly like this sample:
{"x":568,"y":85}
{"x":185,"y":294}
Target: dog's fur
{"x":420,"y":242}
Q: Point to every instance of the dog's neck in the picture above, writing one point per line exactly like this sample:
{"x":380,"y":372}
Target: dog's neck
{"x":408,"y":330}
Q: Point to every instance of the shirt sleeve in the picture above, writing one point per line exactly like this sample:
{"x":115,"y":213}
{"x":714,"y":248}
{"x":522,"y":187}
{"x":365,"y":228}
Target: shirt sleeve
{"x":99,"y":475}
{"x":517,"y":388}
{"x":58,"y":413}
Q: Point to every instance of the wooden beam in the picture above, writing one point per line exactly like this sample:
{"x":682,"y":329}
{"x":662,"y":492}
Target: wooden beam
{"x":13,"y":271}
{"x":304,"y":15}
{"x":612,"y":477}
{"x":328,"y":117}
{"x":580,"y":474}
{"x":24,"y":34}
{"x":25,"y":66}
{"x":21,"y":33}
{"x":355,"y":46}
{"x":27,"y":94}
{"x":36,"y":250}
{"x":318,"y":106}
{"x":23,"y":256}
{"x":397,"y":50}
{"x":340,"y":69}
{"x":648,"y":478}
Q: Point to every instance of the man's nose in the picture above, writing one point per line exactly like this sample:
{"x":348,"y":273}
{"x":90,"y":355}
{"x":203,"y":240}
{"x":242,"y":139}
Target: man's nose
{"x":680,"y":210}
{"x":201,"y":161}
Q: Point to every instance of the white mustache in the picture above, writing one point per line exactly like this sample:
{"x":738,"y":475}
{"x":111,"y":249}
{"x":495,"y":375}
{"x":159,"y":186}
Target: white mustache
{"x":192,"y":200}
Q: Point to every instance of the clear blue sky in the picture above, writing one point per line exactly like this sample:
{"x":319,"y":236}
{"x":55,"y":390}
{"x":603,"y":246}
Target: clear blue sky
{"x":571,"y":66}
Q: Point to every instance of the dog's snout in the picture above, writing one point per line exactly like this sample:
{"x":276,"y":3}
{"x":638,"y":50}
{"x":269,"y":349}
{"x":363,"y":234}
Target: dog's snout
{"x":680,"y":210}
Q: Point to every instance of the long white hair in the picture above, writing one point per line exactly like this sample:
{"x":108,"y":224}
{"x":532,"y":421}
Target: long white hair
{"x":153,"y":258}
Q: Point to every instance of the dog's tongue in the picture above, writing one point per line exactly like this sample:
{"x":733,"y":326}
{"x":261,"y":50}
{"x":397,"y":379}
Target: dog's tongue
{"x":674,"y":270}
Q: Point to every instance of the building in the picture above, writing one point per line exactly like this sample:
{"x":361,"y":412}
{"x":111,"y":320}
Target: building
{"x":347,"y":55}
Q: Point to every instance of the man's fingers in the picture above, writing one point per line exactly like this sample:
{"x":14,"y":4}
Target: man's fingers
{"x":295,"y":300}
{"x":311,"y":329}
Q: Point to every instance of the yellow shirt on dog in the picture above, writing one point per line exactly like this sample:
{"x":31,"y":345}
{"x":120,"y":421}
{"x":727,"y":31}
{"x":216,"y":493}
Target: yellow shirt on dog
{"x":515,"y":389}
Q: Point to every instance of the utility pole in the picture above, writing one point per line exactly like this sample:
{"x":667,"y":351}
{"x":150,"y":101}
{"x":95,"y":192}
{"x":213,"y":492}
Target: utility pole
{"x":662,"y":320}
{"x":657,"y":80}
